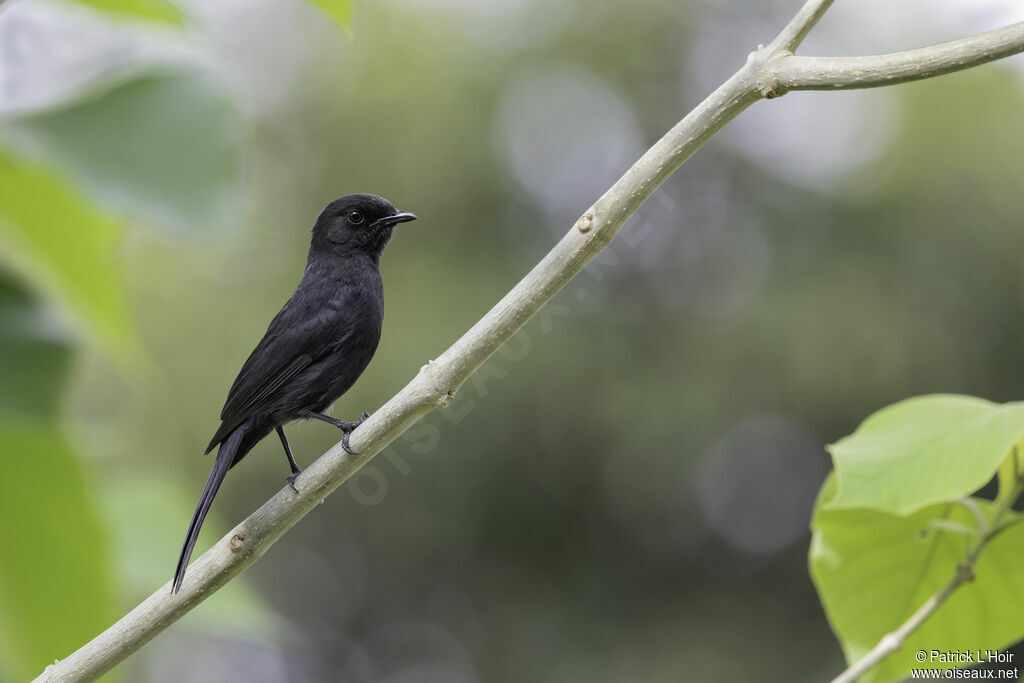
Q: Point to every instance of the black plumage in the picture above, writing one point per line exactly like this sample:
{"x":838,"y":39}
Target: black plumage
{"x":315,"y":348}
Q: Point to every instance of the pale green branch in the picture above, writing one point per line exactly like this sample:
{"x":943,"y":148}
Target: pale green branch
{"x":844,"y":73}
{"x":799,"y":26}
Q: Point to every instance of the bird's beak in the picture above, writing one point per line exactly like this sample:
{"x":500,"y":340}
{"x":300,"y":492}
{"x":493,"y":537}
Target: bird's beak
{"x":395,"y":219}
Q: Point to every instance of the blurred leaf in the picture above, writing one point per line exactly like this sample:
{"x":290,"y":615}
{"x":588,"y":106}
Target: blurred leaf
{"x":338,"y":10}
{"x":156,"y":10}
{"x":66,"y":247}
{"x":55,"y":587}
{"x":34,"y":354}
{"x":148,"y":517}
{"x":924,"y":450}
{"x":873,"y":570}
{"x":166,"y":147}
{"x":1009,"y":474}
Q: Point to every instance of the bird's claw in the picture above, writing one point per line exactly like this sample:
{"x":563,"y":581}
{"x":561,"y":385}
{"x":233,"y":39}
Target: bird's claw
{"x":344,"y":441}
{"x":291,"y":480}
{"x":351,"y":428}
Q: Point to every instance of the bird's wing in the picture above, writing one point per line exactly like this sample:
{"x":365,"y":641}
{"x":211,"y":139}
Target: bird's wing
{"x":291,"y":344}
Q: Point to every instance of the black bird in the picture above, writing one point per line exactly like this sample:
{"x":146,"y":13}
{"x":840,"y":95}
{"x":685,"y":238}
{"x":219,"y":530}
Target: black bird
{"x":315,"y":348}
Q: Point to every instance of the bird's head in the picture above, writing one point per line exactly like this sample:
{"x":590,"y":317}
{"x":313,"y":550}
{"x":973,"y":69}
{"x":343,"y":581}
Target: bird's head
{"x":357,"y":222}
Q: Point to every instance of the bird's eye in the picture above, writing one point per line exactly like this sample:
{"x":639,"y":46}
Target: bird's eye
{"x":355,"y":217}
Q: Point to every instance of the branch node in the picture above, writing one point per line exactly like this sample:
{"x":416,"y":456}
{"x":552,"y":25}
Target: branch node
{"x":964,"y":573}
{"x":759,"y":65}
{"x":237,"y":541}
{"x":445,"y":399}
{"x":767,"y":85}
{"x":586,"y":222}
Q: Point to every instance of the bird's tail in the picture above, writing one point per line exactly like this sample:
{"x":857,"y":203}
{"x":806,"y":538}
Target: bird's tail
{"x":225,"y":458}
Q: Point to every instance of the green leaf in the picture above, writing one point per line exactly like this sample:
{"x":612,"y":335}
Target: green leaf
{"x":873,"y":570}
{"x":154,"y":10}
{"x":34,"y":354}
{"x":164,"y":147}
{"x":1009,"y":474}
{"x":55,"y":587}
{"x":924,"y":450}
{"x":66,"y":247}
{"x":338,"y":10}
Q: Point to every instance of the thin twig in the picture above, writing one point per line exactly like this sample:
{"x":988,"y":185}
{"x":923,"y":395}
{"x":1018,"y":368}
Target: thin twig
{"x":892,"y":642}
{"x":972,"y":506}
{"x":437,"y":382}
{"x":796,"y":30}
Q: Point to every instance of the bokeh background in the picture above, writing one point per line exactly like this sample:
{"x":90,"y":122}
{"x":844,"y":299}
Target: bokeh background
{"x":623,"y":492}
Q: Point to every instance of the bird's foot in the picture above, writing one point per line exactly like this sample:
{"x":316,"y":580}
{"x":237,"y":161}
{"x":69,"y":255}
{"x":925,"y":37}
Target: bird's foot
{"x":346,"y":427}
{"x":346,"y":431}
{"x":346,"y":446}
{"x":349,"y":426}
{"x":291,"y":479}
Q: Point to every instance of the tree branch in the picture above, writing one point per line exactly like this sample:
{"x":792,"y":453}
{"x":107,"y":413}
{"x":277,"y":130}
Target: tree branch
{"x":845,"y":73}
{"x":436,"y":383}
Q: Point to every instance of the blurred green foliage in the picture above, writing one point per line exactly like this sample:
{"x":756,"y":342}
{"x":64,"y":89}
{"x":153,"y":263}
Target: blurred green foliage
{"x":338,"y":10}
{"x":53,"y":541}
{"x":56,"y":580}
{"x":173,"y":157}
{"x":34,"y":354}
{"x":75,"y":266}
{"x":154,"y":10}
